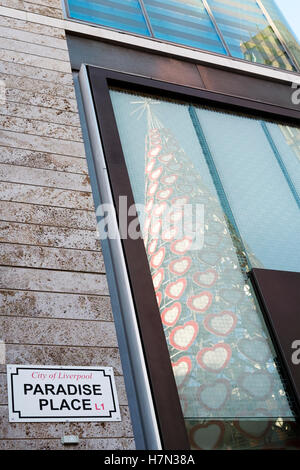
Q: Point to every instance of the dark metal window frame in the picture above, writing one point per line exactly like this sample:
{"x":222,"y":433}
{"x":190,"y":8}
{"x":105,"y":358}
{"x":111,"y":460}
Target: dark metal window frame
{"x":163,"y":386}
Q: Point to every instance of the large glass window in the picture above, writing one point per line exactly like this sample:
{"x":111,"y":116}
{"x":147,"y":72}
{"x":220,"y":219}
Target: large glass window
{"x":217,"y":193}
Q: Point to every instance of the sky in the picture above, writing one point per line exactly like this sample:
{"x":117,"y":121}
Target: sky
{"x":291,"y":10}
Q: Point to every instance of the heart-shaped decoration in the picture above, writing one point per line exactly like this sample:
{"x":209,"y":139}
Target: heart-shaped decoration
{"x":216,"y":358}
{"x":147,"y":224}
{"x":200,"y":302}
{"x":175,"y":216}
{"x":158,"y":258}
{"x":206,"y":278}
{"x":149,"y":166}
{"x":152,"y":189}
{"x":181,"y":370}
{"x":169,"y":179}
{"x":164,"y":193}
{"x":159,"y":209}
{"x":158,"y":298}
{"x":209,"y":257}
{"x":254,"y":429}
{"x":166,"y":158}
{"x":207,"y":436}
{"x":175,"y":166}
{"x":214,"y":396}
{"x":176,"y":289}
{"x":156,"y":174}
{"x":157,"y":278}
{"x":169,"y":234}
{"x":257,"y":384}
{"x":179,"y":247}
{"x":180,"y":201}
{"x":155,"y":227}
{"x":149,"y":205}
{"x":182,"y":337}
{"x":171,"y":314}
{"x":152,"y":246}
{"x":256,"y":349}
{"x":232,"y":296}
{"x":221,"y":324}
{"x":181,"y":266}
{"x":154,"y":151}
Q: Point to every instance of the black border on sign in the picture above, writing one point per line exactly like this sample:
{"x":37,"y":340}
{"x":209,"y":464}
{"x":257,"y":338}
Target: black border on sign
{"x":167,"y":406}
{"x":60,"y":417}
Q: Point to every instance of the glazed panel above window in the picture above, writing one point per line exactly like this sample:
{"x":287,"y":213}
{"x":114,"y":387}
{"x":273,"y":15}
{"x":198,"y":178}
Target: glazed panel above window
{"x":238,"y":28}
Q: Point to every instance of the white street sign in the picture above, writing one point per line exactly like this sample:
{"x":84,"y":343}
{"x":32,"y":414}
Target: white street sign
{"x":59,"y":393}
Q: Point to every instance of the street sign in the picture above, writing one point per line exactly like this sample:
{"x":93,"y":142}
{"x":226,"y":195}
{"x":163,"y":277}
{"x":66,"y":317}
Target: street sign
{"x":39,"y":393}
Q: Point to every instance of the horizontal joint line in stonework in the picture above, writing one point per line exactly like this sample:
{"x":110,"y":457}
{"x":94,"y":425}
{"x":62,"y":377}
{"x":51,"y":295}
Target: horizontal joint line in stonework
{"x":43,"y":151}
{"x":30,"y":119}
{"x":43,"y":169}
{"x":36,"y":67}
{"x":33,"y":79}
{"x":50,"y":226}
{"x":51,"y":247}
{"x":40,"y":168}
{"x":41,"y":135}
{"x":35,"y":55}
{"x":8,"y":343}
{"x":65,"y":319}
{"x":28,"y":103}
{"x":46,"y":268}
{"x":48,"y":205}
{"x":2,"y":289}
{"x":46,"y":187}
{"x":37,"y":43}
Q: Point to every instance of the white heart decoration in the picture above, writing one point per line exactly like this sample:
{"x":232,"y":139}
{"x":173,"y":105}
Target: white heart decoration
{"x":158,"y":278}
{"x":156,"y":174}
{"x":165,"y":193}
{"x":158,"y":258}
{"x":183,"y":336}
{"x":201,"y":302}
{"x":181,"y":369}
{"x":176,"y":289}
{"x":215,"y":395}
{"x":181,"y":246}
{"x":181,"y":266}
{"x":207,"y":436}
{"x":171,"y":314}
{"x":220,"y":324}
{"x":169,"y":179}
{"x":214,"y":359}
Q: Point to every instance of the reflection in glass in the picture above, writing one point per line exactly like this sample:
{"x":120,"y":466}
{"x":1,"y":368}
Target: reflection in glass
{"x":221,"y":353}
{"x":248,"y":34}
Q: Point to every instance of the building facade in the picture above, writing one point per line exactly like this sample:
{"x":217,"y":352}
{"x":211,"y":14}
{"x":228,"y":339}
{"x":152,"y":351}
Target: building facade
{"x":150,"y":202}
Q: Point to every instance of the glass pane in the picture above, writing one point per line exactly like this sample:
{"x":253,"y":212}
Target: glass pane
{"x":247,"y":32}
{"x":284,"y":28}
{"x":123,"y":15}
{"x":183,"y":22}
{"x":221,"y":354}
{"x":258,"y":186}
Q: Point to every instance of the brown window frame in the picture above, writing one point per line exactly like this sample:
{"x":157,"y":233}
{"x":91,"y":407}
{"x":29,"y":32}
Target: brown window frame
{"x":162,"y":382}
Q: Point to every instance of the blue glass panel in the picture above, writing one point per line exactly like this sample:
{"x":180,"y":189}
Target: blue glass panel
{"x":183,"y":22}
{"x":248,"y":33}
{"x":123,"y":15}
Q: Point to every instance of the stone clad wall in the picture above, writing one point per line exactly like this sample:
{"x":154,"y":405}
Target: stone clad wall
{"x":54,"y":300}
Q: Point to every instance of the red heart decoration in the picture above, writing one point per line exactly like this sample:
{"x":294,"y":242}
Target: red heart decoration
{"x":155,"y":226}
{"x":200,"y":302}
{"x":149,"y":166}
{"x":157,"y":258}
{"x":156,"y":174}
{"x":176,"y":289}
{"x":216,"y":358}
{"x":152,"y":189}
{"x":179,"y":247}
{"x":182,"y":337}
{"x":182,"y":369}
{"x":149,"y":205}
{"x":205,"y":278}
{"x":159,"y":209}
{"x":154,"y":151}
{"x":171,"y":314}
{"x":166,"y":158}
{"x":169,"y":234}
{"x":157,"y":278}
{"x":152,"y":246}
{"x":251,"y":428}
{"x":221,"y":324}
{"x":179,"y":267}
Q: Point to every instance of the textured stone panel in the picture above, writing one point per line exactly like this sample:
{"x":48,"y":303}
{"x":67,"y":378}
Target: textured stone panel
{"x":63,"y":259}
{"x":40,"y":113}
{"x":52,"y":281}
{"x":54,"y":305}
